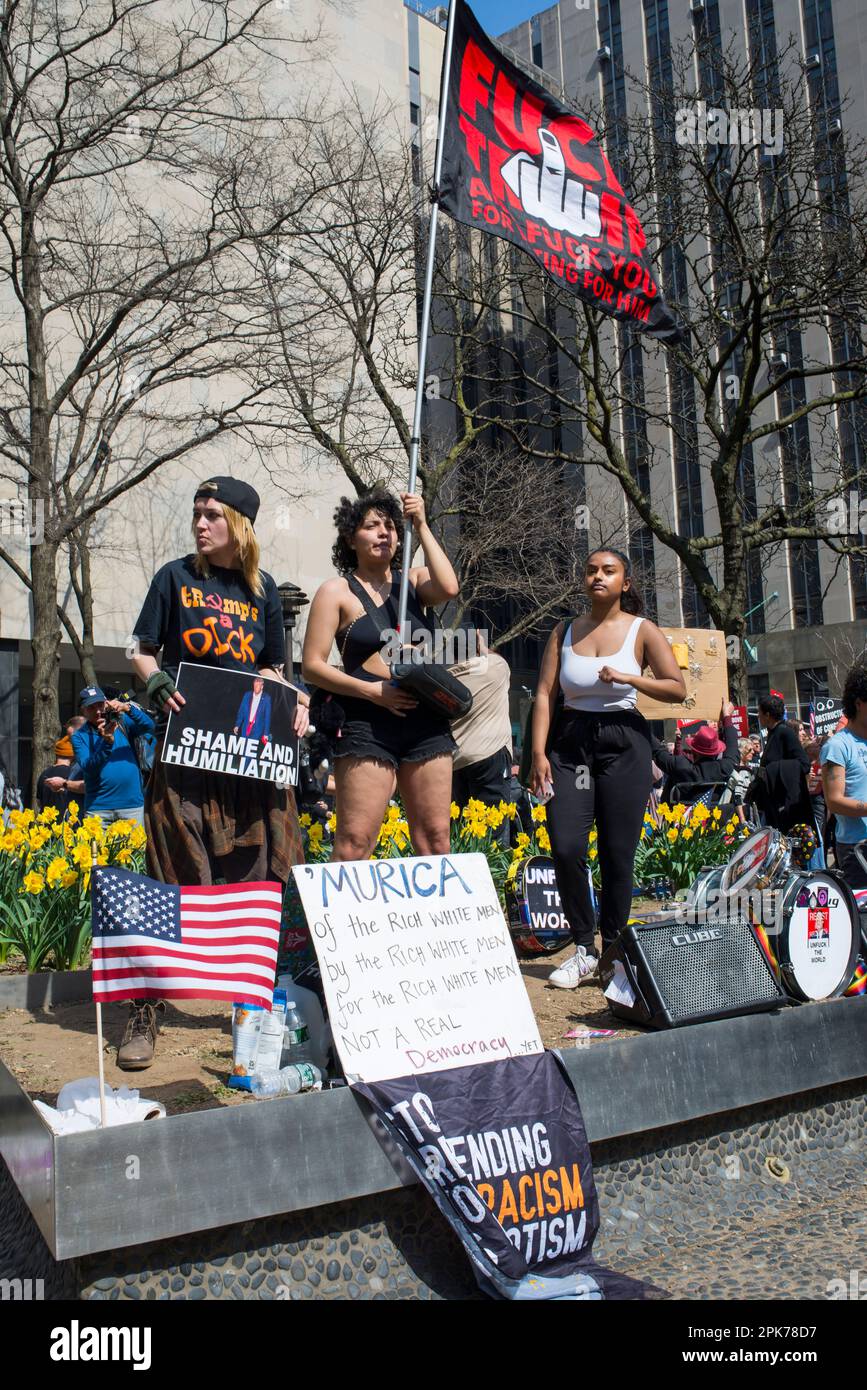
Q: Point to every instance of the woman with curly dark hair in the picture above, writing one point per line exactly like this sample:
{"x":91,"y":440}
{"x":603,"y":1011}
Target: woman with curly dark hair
{"x":387,"y":738}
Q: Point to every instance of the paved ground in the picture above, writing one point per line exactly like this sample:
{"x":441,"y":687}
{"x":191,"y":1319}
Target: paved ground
{"x":699,"y":1216}
{"x":710,"y":1221}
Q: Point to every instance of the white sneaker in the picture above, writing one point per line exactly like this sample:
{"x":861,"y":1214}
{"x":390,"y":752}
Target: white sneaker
{"x":577,"y":970}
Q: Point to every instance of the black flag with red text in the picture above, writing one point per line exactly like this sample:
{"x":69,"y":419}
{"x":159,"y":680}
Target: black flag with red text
{"x":520,"y":164}
{"x":501,"y":1147}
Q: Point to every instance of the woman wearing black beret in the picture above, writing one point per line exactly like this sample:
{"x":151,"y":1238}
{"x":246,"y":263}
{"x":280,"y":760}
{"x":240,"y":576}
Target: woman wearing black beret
{"x":215,"y":606}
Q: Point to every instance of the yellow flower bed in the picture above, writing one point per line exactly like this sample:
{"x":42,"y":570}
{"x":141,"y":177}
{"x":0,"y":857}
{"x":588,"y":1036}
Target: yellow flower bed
{"x":474,"y":829}
{"x":45,"y":869}
{"x":680,"y":840}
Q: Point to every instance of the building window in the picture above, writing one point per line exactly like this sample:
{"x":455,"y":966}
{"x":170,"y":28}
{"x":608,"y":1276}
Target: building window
{"x":812,"y":685}
{"x":832,"y":181}
{"x":412,"y":40}
{"x":858,"y":581}
{"x":634,"y":419}
{"x":757,"y":688}
{"x":797,"y":469}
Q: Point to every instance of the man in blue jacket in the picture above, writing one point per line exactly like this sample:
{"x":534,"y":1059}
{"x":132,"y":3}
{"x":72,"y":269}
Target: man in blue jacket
{"x":106,"y":756}
{"x":253,"y":719}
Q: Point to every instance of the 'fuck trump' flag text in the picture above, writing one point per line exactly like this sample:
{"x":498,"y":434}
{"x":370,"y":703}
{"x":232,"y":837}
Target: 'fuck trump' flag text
{"x":518,"y":163}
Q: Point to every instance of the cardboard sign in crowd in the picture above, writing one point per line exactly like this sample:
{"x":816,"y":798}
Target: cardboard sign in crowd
{"x":700,"y":654}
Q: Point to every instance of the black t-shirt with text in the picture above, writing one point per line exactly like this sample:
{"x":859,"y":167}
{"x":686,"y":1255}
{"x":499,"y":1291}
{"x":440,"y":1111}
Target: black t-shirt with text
{"x":217,"y":620}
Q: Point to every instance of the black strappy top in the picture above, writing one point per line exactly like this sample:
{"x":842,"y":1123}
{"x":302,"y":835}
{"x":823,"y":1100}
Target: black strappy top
{"x":361,"y":638}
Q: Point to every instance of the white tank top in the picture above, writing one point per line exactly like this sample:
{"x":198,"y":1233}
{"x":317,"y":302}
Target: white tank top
{"x":579,"y":676}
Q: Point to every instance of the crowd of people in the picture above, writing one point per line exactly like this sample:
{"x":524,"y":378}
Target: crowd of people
{"x":591,"y":757}
{"x":785,"y":775}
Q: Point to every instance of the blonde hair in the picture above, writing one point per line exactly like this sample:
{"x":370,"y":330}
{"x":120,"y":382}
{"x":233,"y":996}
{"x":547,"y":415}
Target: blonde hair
{"x":242,"y":533}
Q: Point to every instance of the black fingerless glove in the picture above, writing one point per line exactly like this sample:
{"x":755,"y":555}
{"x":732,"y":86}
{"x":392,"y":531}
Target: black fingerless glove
{"x":160,"y":688}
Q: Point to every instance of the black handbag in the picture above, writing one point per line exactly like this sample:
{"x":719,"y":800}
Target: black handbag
{"x":429,"y":682}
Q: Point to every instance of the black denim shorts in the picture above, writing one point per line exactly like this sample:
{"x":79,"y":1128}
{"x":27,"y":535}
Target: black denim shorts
{"x":369,"y":731}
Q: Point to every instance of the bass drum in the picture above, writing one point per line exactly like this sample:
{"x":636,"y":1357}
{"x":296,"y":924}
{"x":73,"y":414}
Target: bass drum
{"x":536,"y":920}
{"x":819,"y":936}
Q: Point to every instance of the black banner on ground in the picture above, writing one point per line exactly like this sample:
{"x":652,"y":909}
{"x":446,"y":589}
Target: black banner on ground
{"x":501,"y":1147}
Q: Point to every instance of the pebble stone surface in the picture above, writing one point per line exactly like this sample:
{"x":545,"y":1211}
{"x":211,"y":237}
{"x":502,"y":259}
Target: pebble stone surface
{"x":765,"y":1203}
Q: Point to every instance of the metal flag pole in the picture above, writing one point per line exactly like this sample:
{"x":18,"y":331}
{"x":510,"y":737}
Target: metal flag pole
{"x":100,"y":1045}
{"x":415,"y":441}
{"x":101,"y":1065}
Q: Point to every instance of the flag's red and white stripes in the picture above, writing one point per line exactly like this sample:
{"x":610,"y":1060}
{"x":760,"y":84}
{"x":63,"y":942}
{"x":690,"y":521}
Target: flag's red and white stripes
{"x":228,"y":950}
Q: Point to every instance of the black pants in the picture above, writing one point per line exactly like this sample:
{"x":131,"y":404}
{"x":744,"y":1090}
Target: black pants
{"x":601,"y":771}
{"x":488,"y":780}
{"x":850,"y":867}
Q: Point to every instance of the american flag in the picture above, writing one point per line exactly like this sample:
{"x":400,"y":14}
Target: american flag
{"x":155,"y":941}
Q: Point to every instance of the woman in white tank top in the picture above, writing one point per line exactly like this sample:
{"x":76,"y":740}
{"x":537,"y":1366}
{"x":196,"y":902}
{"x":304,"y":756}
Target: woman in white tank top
{"x":593,"y":761}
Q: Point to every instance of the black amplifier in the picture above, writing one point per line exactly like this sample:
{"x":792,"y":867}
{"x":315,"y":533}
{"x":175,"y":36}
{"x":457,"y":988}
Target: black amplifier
{"x":665,"y":973}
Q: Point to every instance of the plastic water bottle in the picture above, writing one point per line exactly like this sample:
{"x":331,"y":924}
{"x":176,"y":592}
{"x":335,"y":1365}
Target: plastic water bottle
{"x":288,"y":1081}
{"x":271,"y":1034}
{"x":309,"y":1007}
{"x":296,"y":1038}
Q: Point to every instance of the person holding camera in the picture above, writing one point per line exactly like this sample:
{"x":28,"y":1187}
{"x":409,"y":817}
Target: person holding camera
{"x":104,"y":749}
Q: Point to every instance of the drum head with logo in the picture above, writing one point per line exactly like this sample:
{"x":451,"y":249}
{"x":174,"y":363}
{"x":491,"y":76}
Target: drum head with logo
{"x":536,"y":919}
{"x":754,"y":865}
{"x":819,"y":936}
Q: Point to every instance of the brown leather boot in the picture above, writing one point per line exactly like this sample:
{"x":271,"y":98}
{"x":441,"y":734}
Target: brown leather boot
{"x":136,"y":1052}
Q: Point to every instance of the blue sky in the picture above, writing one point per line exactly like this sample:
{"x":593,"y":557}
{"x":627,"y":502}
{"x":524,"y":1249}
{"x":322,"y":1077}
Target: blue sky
{"x":499,"y":15}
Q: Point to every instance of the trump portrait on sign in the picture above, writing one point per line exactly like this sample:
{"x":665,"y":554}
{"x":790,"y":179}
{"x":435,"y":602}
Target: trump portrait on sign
{"x":253,"y":719}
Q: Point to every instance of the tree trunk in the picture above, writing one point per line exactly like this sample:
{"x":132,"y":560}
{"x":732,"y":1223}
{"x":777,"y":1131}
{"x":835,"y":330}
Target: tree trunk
{"x":46,"y":658}
{"x":43,"y":556}
{"x":87,"y":663}
{"x":733,"y":596}
{"x":727,"y":614}
{"x":79,"y":573}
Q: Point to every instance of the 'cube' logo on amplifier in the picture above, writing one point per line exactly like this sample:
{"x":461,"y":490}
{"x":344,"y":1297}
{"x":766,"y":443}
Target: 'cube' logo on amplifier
{"x":689,"y":938}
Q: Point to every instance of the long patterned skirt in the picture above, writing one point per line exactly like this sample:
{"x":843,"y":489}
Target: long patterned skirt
{"x":203,"y":828}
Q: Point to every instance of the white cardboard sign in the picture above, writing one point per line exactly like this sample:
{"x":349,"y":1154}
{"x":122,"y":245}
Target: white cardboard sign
{"x":418,"y":966}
